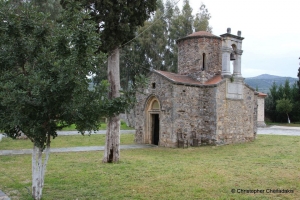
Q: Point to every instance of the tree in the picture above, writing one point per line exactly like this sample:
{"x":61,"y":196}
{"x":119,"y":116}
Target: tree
{"x":298,"y":82}
{"x":117,"y":22}
{"x":284,"y":106}
{"x":43,"y":74}
{"x":201,"y":22}
{"x":154,"y":39}
{"x":283,"y":92}
{"x":295,"y":96}
{"x":52,"y":7}
{"x":276,"y":93}
{"x":151,"y":48}
{"x":287,"y":89}
{"x":155,"y":47}
{"x":181,"y":26}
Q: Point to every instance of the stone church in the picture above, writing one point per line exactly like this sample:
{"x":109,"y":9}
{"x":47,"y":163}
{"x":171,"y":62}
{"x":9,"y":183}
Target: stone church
{"x":205,"y":103}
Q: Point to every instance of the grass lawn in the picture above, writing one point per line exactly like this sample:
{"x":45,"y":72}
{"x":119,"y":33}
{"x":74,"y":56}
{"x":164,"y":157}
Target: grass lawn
{"x":283,"y":124}
{"x":209,"y":172}
{"x":123,"y":126}
{"x":65,"y":141}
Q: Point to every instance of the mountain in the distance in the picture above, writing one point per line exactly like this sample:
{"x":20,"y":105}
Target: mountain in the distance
{"x":267,"y":76}
{"x":265,"y":81}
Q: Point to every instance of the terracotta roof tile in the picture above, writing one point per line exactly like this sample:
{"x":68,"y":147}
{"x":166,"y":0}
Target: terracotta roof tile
{"x":214,"y":80}
{"x":184,"y":79}
{"x":201,"y":33}
{"x":260,"y":94}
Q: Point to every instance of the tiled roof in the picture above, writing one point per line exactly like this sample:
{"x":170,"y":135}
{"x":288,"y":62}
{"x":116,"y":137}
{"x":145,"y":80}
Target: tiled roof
{"x":184,"y":79}
{"x":260,"y":94}
{"x":214,"y":80}
{"x":201,"y":33}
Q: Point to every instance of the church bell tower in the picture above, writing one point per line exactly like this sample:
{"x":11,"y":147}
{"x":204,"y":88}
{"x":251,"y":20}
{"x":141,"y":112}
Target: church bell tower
{"x":232,"y":51}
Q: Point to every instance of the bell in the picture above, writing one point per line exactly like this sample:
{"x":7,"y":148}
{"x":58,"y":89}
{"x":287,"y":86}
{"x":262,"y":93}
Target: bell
{"x":232,"y":56}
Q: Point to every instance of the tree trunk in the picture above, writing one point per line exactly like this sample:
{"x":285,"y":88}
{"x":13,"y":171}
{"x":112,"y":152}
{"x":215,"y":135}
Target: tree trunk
{"x":38,"y":170}
{"x":112,"y":143}
{"x":288,"y":118}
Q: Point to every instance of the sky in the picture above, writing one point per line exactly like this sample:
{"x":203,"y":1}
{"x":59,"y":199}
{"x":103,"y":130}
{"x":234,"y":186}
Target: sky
{"x":271,"y":30}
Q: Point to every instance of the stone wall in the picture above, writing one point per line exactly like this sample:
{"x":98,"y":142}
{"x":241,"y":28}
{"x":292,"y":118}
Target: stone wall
{"x":203,"y":115}
{"x":236,"y":119}
{"x":184,"y":110}
{"x":190,"y":55}
{"x":195,"y":113}
{"x":163,"y":92}
{"x":261,"y":112}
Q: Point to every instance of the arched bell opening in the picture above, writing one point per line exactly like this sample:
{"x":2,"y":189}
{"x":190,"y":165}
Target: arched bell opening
{"x":232,"y":58}
{"x":152,"y":133}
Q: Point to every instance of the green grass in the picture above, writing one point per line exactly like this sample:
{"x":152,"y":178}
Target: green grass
{"x":102,"y":127}
{"x":210,"y":172}
{"x":65,"y":141}
{"x":296,"y":124}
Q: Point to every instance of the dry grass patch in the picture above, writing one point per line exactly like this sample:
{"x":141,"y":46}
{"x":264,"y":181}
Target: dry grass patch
{"x":271,"y":162}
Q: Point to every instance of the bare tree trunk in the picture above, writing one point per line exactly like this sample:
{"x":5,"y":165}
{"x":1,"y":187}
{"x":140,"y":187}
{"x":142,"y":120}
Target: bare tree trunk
{"x":112,"y":143}
{"x":288,"y":118}
{"x":38,"y":170}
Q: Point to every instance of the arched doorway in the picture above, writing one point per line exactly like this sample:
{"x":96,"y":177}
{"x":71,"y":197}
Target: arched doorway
{"x":152,"y":135}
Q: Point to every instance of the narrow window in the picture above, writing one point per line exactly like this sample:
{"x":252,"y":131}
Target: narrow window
{"x":203,"y":61}
{"x":153,"y":85}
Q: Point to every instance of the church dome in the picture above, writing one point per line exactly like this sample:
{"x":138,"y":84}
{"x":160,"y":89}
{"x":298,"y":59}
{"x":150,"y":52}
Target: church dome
{"x":199,"y":34}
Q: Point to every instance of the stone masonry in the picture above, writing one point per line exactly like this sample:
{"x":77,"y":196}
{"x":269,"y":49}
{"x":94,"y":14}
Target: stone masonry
{"x":198,"y":105}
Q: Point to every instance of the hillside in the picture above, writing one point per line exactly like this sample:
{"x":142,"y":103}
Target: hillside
{"x":265,"y":81}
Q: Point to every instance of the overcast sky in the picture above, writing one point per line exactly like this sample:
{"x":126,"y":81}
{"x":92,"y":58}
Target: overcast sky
{"x":271,"y":30}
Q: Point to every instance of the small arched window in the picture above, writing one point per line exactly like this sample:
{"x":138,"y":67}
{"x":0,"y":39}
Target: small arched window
{"x":203,"y":62}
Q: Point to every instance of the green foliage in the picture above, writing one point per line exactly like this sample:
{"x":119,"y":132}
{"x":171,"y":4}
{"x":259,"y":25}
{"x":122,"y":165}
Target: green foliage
{"x":280,"y":99}
{"x":155,"y":46}
{"x":52,"y":7}
{"x":298,"y":82}
{"x":41,"y":71}
{"x":201,"y":22}
{"x":284,"y":106}
{"x":44,"y":73}
{"x":117,"y":21}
